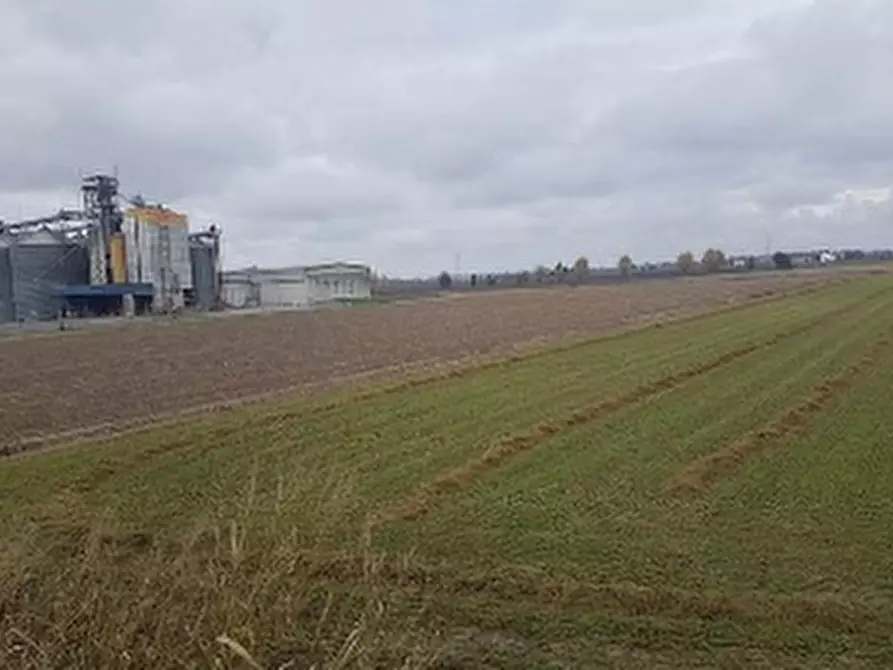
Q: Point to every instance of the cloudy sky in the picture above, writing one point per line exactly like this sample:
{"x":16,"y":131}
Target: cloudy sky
{"x":504,"y":133}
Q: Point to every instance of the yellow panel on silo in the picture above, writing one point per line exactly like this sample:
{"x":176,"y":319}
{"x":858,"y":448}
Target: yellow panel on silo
{"x":118,"y":257}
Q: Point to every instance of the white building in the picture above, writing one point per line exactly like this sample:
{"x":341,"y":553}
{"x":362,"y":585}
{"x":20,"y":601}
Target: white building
{"x":297,"y":286}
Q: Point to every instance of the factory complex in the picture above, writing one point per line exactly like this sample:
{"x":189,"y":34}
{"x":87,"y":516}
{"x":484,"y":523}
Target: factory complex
{"x":112,"y":259}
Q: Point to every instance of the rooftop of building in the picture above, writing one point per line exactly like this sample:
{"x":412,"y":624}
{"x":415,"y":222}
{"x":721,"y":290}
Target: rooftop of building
{"x":301,"y":270}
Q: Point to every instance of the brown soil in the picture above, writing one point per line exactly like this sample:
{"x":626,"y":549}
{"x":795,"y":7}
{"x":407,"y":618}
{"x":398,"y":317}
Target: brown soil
{"x":78,"y":381}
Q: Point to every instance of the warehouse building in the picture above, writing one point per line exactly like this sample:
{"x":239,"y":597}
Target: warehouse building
{"x":297,"y":286}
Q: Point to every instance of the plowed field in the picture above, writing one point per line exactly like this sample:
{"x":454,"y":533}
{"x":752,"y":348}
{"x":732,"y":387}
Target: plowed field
{"x":69,"y":384}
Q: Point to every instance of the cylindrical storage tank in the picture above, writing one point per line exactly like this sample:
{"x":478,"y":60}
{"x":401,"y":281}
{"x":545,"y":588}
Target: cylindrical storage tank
{"x":204,"y":280}
{"x":7,"y":309}
{"x":118,"y":258}
{"x":42,"y":262}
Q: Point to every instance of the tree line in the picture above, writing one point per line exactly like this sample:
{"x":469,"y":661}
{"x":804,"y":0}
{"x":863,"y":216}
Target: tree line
{"x":711,"y":261}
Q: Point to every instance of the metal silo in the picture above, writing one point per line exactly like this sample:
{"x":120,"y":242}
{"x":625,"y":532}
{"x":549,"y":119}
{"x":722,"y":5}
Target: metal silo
{"x":42,"y":262}
{"x":157,"y":251}
{"x":204,"y":270}
{"x":7,"y":310}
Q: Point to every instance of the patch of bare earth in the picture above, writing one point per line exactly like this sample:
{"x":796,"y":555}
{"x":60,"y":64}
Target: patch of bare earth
{"x":53,"y":385}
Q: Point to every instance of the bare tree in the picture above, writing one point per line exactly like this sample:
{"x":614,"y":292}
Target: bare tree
{"x":580,"y":270}
{"x":782,"y":261}
{"x":625,"y":265}
{"x":445,"y":280}
{"x":685,"y":262}
{"x":713,"y":260}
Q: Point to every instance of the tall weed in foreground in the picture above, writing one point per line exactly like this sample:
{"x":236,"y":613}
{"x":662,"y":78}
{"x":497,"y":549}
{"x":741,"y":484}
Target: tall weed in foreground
{"x":246,"y":588}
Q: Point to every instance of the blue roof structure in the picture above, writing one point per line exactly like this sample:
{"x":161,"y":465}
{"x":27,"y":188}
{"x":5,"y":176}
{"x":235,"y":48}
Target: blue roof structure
{"x":105,"y":290}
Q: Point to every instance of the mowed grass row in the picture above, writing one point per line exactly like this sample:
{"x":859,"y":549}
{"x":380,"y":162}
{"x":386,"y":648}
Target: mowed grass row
{"x":824,"y":496}
{"x":228,"y":524}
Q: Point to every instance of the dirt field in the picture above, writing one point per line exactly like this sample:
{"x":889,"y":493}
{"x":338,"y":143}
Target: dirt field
{"x":73,"y":383}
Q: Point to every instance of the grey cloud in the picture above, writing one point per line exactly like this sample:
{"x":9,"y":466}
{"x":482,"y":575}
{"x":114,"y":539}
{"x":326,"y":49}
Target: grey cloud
{"x":406,"y":131}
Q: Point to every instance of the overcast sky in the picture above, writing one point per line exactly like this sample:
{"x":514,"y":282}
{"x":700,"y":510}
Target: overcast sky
{"x":405,"y":133}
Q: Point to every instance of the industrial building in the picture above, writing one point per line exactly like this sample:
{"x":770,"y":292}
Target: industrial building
{"x":117,"y":255}
{"x":303,"y":286}
{"x":102,"y":259}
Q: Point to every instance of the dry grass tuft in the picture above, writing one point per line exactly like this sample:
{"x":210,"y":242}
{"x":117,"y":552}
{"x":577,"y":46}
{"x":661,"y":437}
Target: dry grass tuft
{"x":239,"y":592}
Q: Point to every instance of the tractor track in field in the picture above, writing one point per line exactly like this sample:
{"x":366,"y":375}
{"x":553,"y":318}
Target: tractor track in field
{"x":515,"y":586}
{"x":416,"y":375}
{"x":419,"y":503}
{"x":705,"y":472}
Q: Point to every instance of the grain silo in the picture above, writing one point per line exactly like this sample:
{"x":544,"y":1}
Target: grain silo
{"x":41,"y":263}
{"x":7,"y":310}
{"x":157,"y":253}
{"x":204,"y":274}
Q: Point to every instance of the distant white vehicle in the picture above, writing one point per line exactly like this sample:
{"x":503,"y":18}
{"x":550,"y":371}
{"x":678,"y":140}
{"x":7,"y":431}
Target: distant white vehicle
{"x":827,"y":257}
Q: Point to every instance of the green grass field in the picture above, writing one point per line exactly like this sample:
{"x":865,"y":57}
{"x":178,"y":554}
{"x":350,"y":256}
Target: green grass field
{"x":713,"y":492}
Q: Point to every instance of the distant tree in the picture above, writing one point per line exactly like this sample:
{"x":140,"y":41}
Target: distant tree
{"x":685,"y":262}
{"x":713,"y":260}
{"x":445,"y":281}
{"x":541,"y":273}
{"x":580,"y":270}
{"x":491,"y":280}
{"x":523,"y":277}
{"x":474,"y":280}
{"x":782,"y":261}
{"x":625,"y":265}
{"x":751,"y":263}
